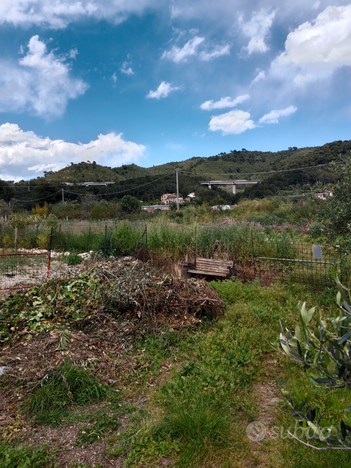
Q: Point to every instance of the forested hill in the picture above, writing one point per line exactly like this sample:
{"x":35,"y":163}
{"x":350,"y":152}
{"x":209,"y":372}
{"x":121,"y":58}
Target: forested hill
{"x":235,"y":165}
{"x":278,"y":171}
{"x":239,"y":163}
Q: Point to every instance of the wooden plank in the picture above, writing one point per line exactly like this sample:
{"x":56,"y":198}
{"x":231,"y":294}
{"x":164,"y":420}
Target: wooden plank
{"x":207,"y":272}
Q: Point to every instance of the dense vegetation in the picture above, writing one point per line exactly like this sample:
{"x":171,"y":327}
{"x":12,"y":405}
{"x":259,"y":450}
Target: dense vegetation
{"x":183,"y":395}
{"x":148,"y":184}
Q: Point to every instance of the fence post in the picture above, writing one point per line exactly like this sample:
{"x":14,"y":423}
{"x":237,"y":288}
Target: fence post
{"x":105,"y":247}
{"x":51,"y":236}
{"x":58,"y":236}
{"x":146,"y":237}
{"x":36,"y":237}
{"x":88,"y":244}
{"x":16,"y":238}
{"x":253,"y":253}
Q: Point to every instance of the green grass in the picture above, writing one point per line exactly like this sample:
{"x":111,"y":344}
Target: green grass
{"x":64,"y":387}
{"x":199,"y":416}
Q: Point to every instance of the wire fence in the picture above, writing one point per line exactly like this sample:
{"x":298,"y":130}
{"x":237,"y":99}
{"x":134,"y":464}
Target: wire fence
{"x":296,"y":263}
{"x":68,"y":243}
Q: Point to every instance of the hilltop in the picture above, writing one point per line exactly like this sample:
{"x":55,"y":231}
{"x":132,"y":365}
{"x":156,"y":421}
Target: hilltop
{"x":279,"y":171}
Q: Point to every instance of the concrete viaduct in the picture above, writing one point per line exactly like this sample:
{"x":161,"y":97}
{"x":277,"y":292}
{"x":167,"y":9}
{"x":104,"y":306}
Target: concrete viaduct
{"x":234,"y":183}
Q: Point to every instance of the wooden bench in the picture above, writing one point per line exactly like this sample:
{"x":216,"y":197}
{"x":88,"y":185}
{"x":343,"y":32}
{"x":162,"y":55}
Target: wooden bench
{"x":210,"y":267}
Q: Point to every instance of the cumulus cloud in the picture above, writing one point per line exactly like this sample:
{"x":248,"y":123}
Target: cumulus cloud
{"x":224,"y":102}
{"x":40,"y":82}
{"x":178,"y":54}
{"x":58,"y":14}
{"x":232,"y":123}
{"x":126,"y":69}
{"x":191,"y":48}
{"x":25,"y":154}
{"x":274,"y":116}
{"x":237,"y":121}
{"x":315,"y":50}
{"x":257,"y":29}
{"x":162,"y":91}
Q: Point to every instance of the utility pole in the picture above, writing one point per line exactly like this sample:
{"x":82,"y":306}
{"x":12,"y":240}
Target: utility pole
{"x":177,"y":189}
{"x":63,"y":196}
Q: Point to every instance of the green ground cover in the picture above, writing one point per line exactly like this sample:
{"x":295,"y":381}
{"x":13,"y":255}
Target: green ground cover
{"x":216,"y":382}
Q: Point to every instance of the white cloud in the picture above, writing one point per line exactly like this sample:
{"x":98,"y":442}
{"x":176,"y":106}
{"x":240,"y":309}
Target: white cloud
{"x":24,"y":154}
{"x":126,"y":69}
{"x":191,"y":48}
{"x":72,"y":53}
{"x":224,"y":102}
{"x":217,"y":51}
{"x":114,"y":78}
{"x":274,"y":116}
{"x":315,"y":50}
{"x":260,"y":76}
{"x":40,"y":83}
{"x":178,"y":54}
{"x":257,"y":29}
{"x":232,"y":123}
{"x":58,"y":14}
{"x":162,"y":91}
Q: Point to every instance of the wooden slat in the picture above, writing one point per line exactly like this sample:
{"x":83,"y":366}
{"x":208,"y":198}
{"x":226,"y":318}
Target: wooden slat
{"x":208,"y":272}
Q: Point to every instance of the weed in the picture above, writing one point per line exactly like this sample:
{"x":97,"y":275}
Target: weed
{"x":201,"y":422}
{"x":62,"y":388}
{"x":23,"y":457}
{"x":97,"y":429}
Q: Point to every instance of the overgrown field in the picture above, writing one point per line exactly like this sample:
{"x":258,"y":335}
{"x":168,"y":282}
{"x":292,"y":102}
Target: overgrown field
{"x":126,"y":366}
{"x":129,"y":364}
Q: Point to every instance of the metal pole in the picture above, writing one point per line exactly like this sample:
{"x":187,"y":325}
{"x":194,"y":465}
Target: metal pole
{"x":105,"y":247}
{"x":63,"y":195}
{"x":58,"y":237}
{"x":51,"y":236}
{"x":146,"y":236}
{"x":89,"y":239}
{"x":177,"y":189}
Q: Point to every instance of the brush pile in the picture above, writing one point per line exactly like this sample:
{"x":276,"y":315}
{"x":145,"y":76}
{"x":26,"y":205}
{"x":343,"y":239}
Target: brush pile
{"x":96,"y":318}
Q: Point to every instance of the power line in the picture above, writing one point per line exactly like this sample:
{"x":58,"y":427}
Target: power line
{"x":122,"y":191}
{"x":37,"y":199}
{"x":264,"y":172}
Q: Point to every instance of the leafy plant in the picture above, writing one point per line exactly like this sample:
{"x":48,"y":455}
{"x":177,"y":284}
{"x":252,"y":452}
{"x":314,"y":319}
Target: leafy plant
{"x":325,"y":349}
{"x":25,"y":456}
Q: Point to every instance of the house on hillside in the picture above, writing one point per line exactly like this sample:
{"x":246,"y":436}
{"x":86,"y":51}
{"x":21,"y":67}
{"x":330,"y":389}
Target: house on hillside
{"x":324,"y":195}
{"x":168,"y":198}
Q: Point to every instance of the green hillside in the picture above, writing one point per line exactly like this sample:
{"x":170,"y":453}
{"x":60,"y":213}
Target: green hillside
{"x":82,"y":172}
{"x":280,"y":171}
{"x":250,"y":164}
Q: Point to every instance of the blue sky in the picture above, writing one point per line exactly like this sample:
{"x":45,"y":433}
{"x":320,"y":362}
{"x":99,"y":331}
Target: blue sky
{"x":154,"y":81}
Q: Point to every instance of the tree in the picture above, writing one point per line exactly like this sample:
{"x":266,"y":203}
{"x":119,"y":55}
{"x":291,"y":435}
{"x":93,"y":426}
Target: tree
{"x":335,"y":212}
{"x":6,"y":191}
{"x":130,"y":204}
{"x":323,"y":348}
